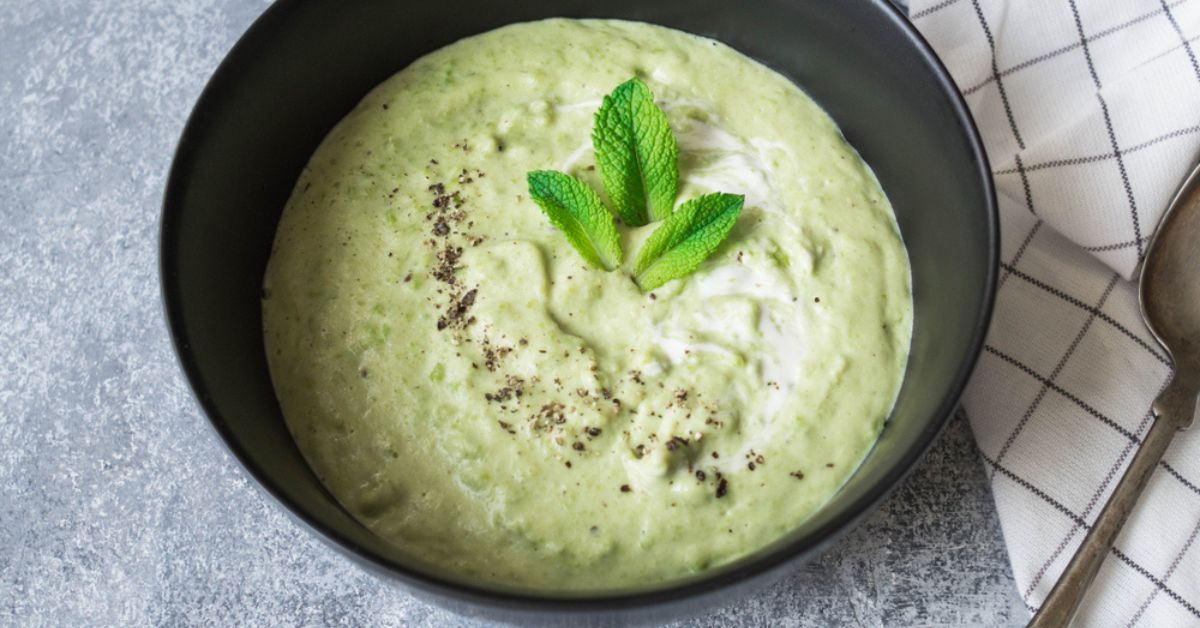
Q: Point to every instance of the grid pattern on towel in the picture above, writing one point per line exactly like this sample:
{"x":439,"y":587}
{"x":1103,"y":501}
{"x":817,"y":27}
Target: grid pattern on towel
{"x":1090,"y":111}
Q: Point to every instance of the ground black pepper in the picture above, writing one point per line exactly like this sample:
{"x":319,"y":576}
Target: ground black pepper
{"x":455,"y":315}
{"x":550,"y":414}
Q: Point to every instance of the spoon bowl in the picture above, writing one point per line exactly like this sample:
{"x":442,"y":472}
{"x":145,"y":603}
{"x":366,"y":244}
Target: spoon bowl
{"x":1170,"y":287}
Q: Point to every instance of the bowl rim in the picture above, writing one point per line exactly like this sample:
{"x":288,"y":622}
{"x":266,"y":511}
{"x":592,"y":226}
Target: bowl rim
{"x":757,"y":569}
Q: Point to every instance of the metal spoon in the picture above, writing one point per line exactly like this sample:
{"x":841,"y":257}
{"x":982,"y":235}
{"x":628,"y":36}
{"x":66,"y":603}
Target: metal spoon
{"x":1170,"y":297}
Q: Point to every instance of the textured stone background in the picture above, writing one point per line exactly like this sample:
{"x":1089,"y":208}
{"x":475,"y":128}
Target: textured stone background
{"x":117,"y":506}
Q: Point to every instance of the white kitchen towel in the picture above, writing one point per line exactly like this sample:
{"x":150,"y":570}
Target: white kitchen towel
{"x":1090,"y":111}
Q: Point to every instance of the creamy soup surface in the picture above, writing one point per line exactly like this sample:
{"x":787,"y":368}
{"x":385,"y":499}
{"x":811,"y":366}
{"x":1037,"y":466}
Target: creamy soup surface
{"x":473,"y":392}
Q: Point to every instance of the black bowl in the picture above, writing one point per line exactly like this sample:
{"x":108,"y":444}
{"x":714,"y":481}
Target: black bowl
{"x":305,"y":64}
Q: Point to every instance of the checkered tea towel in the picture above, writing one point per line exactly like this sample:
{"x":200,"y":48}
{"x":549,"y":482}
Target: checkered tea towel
{"x":1090,"y":110}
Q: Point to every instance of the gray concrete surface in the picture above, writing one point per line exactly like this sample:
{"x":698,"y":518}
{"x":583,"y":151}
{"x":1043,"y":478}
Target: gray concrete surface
{"x":116,"y":504}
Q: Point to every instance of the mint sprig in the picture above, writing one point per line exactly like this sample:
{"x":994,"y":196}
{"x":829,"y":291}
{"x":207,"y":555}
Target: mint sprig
{"x":686,"y":238}
{"x":639,"y":167}
{"x":577,"y":211}
{"x":637,"y":154}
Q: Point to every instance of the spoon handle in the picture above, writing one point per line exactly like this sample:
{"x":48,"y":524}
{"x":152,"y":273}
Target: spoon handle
{"x":1173,"y":412}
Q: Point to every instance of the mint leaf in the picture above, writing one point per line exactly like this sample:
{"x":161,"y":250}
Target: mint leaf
{"x":686,"y":238}
{"x":636,"y":153}
{"x":577,"y":211}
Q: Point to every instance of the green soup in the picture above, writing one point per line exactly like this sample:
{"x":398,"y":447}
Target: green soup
{"x":473,"y":392}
